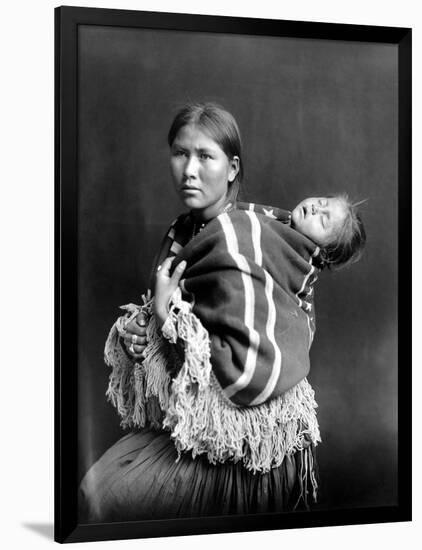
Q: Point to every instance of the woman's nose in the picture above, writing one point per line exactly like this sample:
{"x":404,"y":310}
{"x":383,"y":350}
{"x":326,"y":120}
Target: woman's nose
{"x":191,"y":167}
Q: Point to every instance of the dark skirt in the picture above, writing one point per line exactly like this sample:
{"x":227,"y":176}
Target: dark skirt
{"x":140,"y":478}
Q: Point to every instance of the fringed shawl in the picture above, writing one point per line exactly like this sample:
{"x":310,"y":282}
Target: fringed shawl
{"x":244,"y":320}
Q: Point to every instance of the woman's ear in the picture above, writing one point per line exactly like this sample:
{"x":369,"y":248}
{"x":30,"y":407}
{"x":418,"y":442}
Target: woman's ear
{"x":234,"y":168}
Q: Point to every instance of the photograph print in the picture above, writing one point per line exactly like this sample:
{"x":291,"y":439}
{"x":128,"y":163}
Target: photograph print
{"x":237,"y":238}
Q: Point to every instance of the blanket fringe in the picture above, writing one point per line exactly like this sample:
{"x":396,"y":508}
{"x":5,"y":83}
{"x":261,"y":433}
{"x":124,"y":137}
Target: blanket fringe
{"x":193,"y":406}
{"x":139,"y":390}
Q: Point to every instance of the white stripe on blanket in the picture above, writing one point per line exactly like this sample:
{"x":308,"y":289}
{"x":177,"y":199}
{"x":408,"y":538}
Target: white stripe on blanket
{"x":176,"y":247}
{"x":256,"y":236}
{"x":271,"y":319}
{"x":171,"y":234}
{"x":249,"y":293}
{"x":270,"y":326}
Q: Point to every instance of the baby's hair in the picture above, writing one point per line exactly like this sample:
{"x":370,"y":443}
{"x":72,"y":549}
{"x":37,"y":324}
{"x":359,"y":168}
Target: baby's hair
{"x":350,"y":239}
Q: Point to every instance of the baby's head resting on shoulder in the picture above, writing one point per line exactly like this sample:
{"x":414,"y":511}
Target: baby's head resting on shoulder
{"x":334,"y":224}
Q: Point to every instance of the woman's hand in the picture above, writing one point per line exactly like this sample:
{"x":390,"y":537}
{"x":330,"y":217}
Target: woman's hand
{"x":135,"y":336}
{"x":165,"y":285}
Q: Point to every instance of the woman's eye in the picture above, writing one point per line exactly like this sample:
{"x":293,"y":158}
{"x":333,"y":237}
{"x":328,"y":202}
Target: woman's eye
{"x":205,"y":156}
{"x":179,"y":153}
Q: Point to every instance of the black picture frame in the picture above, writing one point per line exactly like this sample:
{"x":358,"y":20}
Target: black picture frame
{"x":67,"y":21}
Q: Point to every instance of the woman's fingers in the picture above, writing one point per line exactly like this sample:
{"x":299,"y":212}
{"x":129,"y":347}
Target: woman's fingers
{"x":163,"y":270}
{"x":138,"y":356}
{"x":141,"y":320}
{"x":139,"y":339}
{"x":163,"y":274}
{"x":165,"y":284}
{"x":177,"y":273}
{"x":135,"y":350}
{"x":135,"y":328}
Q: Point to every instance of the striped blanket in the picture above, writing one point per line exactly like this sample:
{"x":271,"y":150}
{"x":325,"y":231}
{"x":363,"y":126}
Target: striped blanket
{"x":236,"y":387}
{"x":250,"y":277}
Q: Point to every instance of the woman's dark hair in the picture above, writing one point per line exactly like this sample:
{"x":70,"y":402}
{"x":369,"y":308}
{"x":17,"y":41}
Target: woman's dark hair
{"x":349,"y":242}
{"x":220,"y":125}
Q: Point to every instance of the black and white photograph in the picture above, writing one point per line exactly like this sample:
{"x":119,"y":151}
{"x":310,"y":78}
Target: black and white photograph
{"x":232,"y":250}
{"x":237,"y":257}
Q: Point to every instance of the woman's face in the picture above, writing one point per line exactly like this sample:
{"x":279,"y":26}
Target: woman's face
{"x":319,"y":218}
{"x":201,"y":172}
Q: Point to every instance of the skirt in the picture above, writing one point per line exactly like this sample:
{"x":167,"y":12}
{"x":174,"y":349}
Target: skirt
{"x":141,"y":478}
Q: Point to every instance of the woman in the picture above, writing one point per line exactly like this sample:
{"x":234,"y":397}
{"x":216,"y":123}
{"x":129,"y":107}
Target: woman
{"x":230,"y":415}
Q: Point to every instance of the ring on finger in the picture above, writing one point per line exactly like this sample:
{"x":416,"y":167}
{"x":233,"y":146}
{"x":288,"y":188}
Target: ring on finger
{"x":131,"y":348}
{"x":134,"y":338}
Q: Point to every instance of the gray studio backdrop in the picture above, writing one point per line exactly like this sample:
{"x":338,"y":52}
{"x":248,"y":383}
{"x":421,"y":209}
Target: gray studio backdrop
{"x":316,"y":117}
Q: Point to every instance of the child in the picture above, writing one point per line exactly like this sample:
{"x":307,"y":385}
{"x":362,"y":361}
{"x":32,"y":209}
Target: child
{"x":334,"y":224}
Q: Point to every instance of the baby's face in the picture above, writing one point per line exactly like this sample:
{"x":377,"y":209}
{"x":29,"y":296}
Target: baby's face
{"x":319,"y":218}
